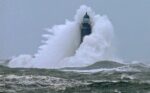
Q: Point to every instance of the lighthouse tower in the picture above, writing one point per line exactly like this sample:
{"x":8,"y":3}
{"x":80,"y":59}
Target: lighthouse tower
{"x":85,"y":26}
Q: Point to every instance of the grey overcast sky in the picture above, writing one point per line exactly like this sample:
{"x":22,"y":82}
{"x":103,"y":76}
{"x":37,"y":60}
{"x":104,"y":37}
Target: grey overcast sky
{"x":22,"y":23}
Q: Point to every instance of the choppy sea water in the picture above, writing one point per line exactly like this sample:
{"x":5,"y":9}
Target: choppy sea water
{"x":102,"y":77}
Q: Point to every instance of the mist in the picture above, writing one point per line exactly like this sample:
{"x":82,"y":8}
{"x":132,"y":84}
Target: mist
{"x":63,"y":49}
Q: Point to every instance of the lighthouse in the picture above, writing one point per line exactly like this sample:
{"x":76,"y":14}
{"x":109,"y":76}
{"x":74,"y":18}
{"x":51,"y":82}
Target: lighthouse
{"x":85,"y":26}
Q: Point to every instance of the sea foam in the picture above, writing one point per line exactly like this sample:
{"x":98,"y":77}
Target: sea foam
{"x":63,"y":49}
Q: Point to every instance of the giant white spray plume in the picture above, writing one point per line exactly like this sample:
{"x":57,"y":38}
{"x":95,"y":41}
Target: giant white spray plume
{"x":63,"y":49}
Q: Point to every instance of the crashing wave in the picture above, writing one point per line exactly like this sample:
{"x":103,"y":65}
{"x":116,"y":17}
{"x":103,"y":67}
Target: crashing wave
{"x":63,"y":49}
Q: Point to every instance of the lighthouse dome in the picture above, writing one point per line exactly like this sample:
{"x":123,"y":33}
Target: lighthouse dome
{"x":86,"y":18}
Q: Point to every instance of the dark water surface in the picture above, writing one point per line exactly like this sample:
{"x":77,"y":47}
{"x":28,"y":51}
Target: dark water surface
{"x":29,"y":80}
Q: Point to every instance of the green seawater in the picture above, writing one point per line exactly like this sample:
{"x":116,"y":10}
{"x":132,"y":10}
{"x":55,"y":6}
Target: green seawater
{"x":25,"y":80}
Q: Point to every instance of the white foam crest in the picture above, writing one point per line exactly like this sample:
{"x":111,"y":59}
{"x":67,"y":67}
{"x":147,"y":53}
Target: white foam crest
{"x":21,"y":61}
{"x":95,"y":47}
{"x":62,"y":47}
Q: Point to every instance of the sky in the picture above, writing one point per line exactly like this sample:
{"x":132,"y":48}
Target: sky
{"x":22,"y":22}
